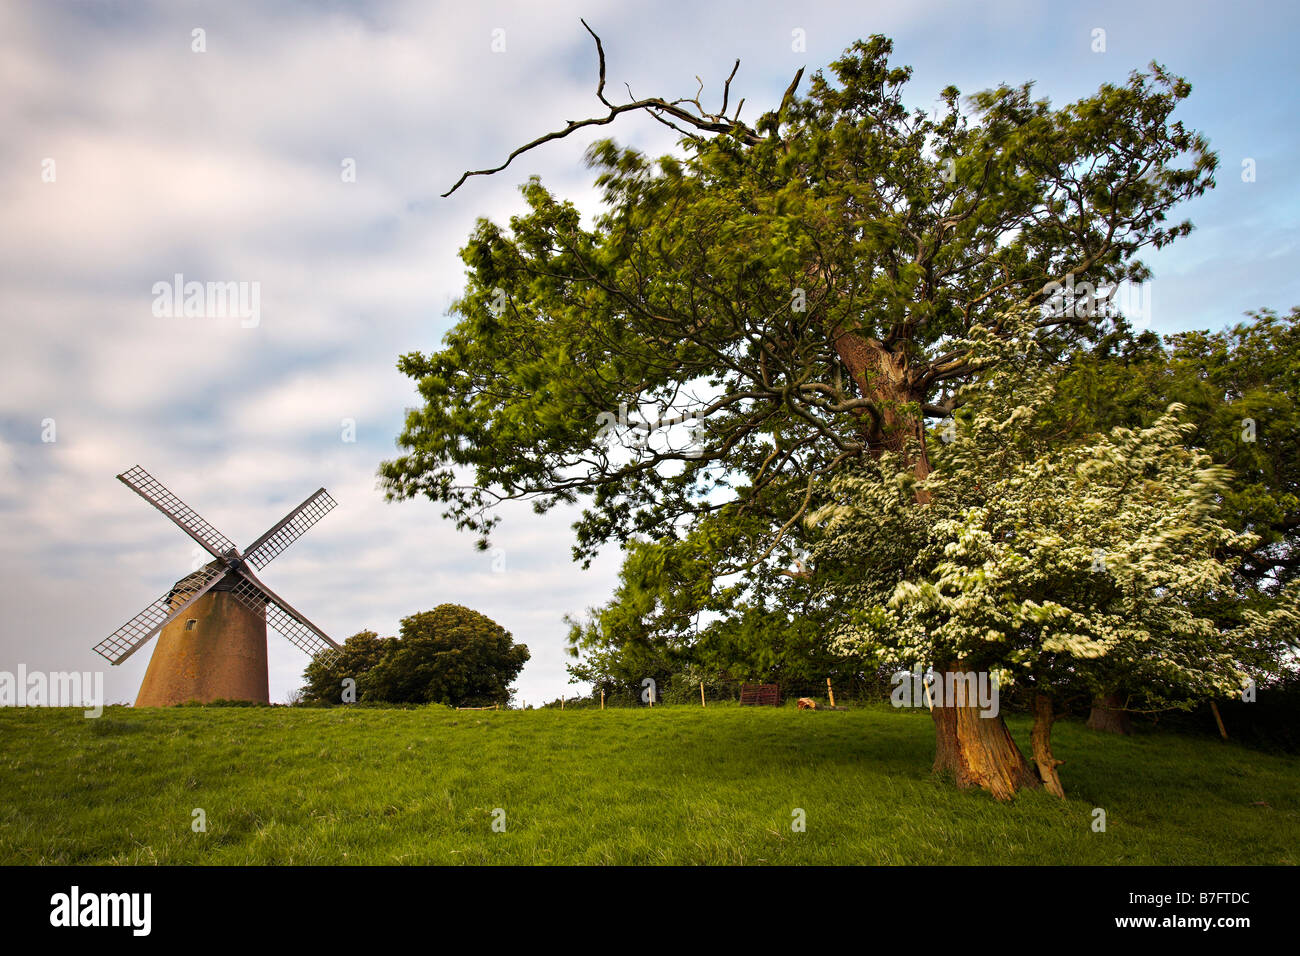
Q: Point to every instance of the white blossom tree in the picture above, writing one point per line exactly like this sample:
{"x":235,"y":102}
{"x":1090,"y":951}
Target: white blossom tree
{"x":1047,"y":566}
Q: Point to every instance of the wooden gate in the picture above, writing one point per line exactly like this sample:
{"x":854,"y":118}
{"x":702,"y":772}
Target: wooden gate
{"x":760,"y":695}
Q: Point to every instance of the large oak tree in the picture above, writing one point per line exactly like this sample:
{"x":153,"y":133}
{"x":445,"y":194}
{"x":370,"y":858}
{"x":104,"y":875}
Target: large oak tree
{"x":747,"y":318}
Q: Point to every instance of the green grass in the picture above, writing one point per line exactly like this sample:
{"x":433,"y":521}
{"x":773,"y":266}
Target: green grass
{"x":668,"y":785}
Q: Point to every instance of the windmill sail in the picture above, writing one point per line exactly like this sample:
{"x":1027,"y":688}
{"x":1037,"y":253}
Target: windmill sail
{"x":186,"y":518}
{"x":280,"y":615}
{"x":128,"y":638}
{"x":288,"y":530}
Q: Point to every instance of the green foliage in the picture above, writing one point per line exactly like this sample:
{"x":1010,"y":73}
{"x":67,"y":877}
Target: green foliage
{"x":771,"y":311}
{"x":752,"y":621}
{"x":358,"y":657}
{"x":763,"y":311}
{"x":450,"y":655}
{"x":1241,"y":391}
{"x":618,"y":671}
{"x":1051,"y":563}
{"x":680,"y":615}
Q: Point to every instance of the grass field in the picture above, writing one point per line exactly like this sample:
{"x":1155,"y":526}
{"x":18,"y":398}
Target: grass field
{"x":668,"y":785}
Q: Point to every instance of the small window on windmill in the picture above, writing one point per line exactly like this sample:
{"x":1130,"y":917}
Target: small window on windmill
{"x":189,"y":625}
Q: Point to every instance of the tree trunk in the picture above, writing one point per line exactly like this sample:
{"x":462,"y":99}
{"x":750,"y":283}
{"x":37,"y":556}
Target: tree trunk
{"x":1041,"y":740}
{"x":1218,"y":719}
{"x":974,"y":749}
{"x":1109,"y":716}
{"x":977,"y":750}
{"x":888,"y":379}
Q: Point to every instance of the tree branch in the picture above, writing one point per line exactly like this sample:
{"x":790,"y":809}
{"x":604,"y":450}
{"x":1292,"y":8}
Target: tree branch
{"x":702,"y":121}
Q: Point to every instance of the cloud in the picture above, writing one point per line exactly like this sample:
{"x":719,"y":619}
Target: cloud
{"x":226,"y":166}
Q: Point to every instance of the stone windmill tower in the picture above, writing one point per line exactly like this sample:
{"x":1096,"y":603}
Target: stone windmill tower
{"x":213,"y":622}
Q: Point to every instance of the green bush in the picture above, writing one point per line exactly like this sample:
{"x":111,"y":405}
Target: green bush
{"x":451,"y":655}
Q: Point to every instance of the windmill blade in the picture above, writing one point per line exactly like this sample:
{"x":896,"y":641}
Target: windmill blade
{"x":301,"y":632}
{"x":290,"y":528}
{"x":132,"y":635}
{"x":186,"y":518}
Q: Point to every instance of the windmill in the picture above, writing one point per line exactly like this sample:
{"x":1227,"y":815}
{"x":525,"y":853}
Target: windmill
{"x":213,"y":621}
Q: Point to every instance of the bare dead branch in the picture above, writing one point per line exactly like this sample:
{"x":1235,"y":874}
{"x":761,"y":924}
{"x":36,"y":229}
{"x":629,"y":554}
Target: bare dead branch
{"x":726,"y":88}
{"x":600,"y":52}
{"x":789,"y":93}
{"x":657,"y":107}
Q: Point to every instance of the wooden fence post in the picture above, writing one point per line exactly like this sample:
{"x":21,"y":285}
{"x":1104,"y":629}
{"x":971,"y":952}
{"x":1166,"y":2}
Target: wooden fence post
{"x":1223,"y":731}
{"x":602,"y":699}
{"x":830,"y":693}
{"x":702,"y":703}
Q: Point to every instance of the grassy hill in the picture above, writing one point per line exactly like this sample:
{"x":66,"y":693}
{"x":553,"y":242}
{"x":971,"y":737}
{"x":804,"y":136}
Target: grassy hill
{"x":668,"y":785}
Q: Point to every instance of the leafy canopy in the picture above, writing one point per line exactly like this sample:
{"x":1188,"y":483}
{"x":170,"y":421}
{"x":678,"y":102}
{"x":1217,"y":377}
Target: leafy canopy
{"x":772,"y":306}
{"x":358,"y":657}
{"x":450,"y":655}
{"x":1241,"y":389}
{"x":1050,"y":564}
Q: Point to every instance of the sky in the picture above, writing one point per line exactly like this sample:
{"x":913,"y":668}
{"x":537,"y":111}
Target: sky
{"x":300,"y":150}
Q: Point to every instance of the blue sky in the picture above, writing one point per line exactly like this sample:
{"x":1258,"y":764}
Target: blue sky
{"x":225,"y":165}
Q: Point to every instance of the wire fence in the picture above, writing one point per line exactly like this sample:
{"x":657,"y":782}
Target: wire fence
{"x":837,"y":691}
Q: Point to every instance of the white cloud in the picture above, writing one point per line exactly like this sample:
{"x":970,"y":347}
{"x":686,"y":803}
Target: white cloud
{"x":225,"y":166}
